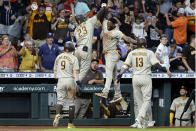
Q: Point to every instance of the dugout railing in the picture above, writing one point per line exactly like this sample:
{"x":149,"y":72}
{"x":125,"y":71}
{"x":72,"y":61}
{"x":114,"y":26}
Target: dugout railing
{"x":31,"y":100}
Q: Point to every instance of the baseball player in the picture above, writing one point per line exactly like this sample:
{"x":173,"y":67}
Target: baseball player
{"x":177,"y":108}
{"x":66,"y":69}
{"x":141,"y":60}
{"x":111,"y":36}
{"x":84,"y":35}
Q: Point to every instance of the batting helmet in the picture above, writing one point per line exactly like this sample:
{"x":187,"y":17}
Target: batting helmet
{"x":69,"y":46}
{"x":141,"y":42}
{"x":80,"y":18}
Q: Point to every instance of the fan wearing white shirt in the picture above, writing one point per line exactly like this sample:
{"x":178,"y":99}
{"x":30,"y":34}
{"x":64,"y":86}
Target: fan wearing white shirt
{"x":162,"y":52}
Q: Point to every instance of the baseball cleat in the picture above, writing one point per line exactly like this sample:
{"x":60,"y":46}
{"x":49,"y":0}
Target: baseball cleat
{"x":142,"y":124}
{"x":114,"y":100}
{"x":102,"y":95}
{"x":56,"y":120}
{"x":151,"y":123}
{"x":134,"y":125}
{"x":70,"y":125}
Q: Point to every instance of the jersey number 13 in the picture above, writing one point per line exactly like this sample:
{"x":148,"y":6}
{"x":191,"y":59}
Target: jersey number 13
{"x":139,"y":62}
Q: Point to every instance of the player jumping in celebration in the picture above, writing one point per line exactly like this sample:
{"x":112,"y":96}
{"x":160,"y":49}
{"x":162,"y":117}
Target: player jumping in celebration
{"x":66,"y":69}
{"x":111,"y":35}
{"x":84,"y":35}
{"x":141,"y":60}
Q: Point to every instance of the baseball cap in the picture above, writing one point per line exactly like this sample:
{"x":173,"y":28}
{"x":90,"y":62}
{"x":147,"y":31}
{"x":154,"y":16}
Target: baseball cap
{"x":173,"y":41}
{"x":113,"y":20}
{"x":181,"y":10}
{"x":49,"y":35}
{"x":183,"y":87}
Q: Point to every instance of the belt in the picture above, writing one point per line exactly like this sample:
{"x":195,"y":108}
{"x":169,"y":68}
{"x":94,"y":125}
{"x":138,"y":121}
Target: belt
{"x":108,"y":51}
{"x":183,"y":119}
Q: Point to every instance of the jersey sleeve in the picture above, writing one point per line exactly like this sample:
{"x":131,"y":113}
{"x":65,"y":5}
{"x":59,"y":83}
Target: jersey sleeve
{"x":55,"y":65}
{"x":105,"y":25}
{"x":93,"y":20}
{"x":76,"y":65}
{"x":118,"y":34}
{"x":128,"y":61}
{"x":159,"y":50}
{"x":173,"y":107}
{"x":153,"y":58}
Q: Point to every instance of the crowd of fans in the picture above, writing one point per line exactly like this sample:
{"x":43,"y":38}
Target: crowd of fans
{"x":33,"y":32}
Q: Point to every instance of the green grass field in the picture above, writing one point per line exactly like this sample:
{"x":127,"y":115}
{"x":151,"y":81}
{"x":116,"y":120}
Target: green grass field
{"x":119,"y":129}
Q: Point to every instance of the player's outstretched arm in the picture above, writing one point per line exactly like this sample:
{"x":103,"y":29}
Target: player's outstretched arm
{"x":129,"y":39}
{"x":123,"y":70}
{"x":102,"y":14}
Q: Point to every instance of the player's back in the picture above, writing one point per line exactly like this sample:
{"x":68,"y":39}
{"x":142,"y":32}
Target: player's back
{"x":142,"y":60}
{"x":65,"y":64}
{"x":84,"y":32}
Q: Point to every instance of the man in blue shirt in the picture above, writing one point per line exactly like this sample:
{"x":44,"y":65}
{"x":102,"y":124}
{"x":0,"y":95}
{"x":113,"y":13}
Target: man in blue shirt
{"x":47,"y":54}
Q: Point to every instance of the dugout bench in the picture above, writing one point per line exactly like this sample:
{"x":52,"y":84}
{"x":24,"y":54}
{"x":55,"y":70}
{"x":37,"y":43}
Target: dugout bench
{"x":27,"y":104}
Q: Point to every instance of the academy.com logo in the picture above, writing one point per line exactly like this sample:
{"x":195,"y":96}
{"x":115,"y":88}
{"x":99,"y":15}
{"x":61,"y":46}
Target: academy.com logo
{"x":1,"y":89}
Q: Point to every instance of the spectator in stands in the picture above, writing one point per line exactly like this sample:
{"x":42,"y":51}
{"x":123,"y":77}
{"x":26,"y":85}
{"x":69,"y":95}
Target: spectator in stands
{"x":138,"y":27}
{"x":81,"y":8}
{"x":29,"y":58}
{"x":180,"y":27}
{"x":27,"y":37}
{"x":18,"y":6}
{"x":8,"y":56}
{"x":123,"y":48}
{"x":177,"y":107}
{"x":71,"y":37}
{"x":97,"y":5}
{"x":83,"y":100}
{"x":126,"y":18}
{"x":162,"y":52}
{"x":176,"y":63}
{"x":190,"y":12}
{"x":189,"y":55}
{"x":40,"y":25}
{"x":173,"y":49}
{"x":154,"y":31}
{"x":94,"y":54}
{"x":16,"y":43}
{"x":7,"y":12}
{"x":165,"y":5}
{"x":65,"y":5}
{"x":60,"y":28}
{"x":47,"y":54}
{"x":16,"y":29}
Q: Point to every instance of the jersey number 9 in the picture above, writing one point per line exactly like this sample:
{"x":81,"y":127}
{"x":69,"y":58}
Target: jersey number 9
{"x":63,"y":65}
